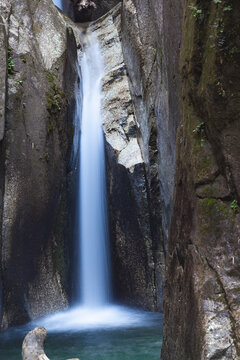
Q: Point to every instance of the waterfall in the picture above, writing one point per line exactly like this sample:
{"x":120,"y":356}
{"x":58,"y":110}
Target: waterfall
{"x":58,"y":3}
{"x":92,"y":280}
{"x":94,"y":272}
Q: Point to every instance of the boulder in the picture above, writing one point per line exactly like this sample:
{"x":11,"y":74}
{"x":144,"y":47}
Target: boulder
{"x":33,"y":345}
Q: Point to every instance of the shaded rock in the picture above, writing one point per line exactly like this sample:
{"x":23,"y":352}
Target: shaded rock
{"x":130,"y":229}
{"x":103,"y":6}
{"x":201,"y":306}
{"x":151,"y":34}
{"x":5,"y":56}
{"x":35,"y":161}
{"x":83,"y":10}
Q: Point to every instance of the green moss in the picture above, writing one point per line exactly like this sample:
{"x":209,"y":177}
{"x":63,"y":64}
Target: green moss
{"x":212,"y":214}
{"x":47,"y":155}
{"x":23,"y":57}
{"x":50,"y":127}
{"x":54,"y":96}
{"x":234,"y":206}
{"x":11,"y":65}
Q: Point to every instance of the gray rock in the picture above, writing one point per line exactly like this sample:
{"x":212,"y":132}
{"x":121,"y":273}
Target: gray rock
{"x":151,"y":33}
{"x":33,"y":345}
{"x":5,"y":9}
{"x":130,"y":227}
{"x":34,"y":159}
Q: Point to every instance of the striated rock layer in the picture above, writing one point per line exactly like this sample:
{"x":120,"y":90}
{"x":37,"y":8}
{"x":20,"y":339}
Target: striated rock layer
{"x":202,"y":296}
{"x":151,"y":34}
{"x":37,"y":76}
{"x":133,"y":268}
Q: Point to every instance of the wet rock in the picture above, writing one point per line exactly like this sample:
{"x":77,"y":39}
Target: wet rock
{"x":83,"y":10}
{"x":34,"y":160}
{"x":201,"y":307}
{"x":33,"y":345}
{"x":5,"y":56}
{"x":151,"y":33}
{"x":130,"y":229}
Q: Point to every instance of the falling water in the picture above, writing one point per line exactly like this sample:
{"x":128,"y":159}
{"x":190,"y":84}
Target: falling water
{"x":58,"y":3}
{"x":94,"y":273}
{"x":93,"y":309}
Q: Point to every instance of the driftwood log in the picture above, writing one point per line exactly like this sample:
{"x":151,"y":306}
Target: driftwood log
{"x":33,"y":345}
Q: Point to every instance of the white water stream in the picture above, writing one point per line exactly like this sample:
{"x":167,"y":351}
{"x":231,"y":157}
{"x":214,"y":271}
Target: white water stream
{"x":58,"y":3}
{"x":93,"y":308}
{"x":94,"y":269}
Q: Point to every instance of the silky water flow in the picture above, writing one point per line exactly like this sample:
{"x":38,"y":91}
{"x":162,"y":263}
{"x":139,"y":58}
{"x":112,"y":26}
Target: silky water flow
{"x":94,"y":269}
{"x":94,"y":308}
{"x":94,"y":327}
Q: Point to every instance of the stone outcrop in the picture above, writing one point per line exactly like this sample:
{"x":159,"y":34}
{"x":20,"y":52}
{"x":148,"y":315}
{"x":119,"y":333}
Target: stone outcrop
{"x":37,"y":84}
{"x":33,"y":345}
{"x":151,"y":35}
{"x":87,"y":10}
{"x":130,"y":224}
{"x":83,"y":10}
{"x":103,"y":6}
{"x":201,"y":311}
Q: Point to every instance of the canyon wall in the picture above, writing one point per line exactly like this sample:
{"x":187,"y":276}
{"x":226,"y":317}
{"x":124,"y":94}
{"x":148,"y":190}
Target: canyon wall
{"x":202,"y":276}
{"x":151,"y":35}
{"x":133,"y":269}
{"x":171,"y":72}
{"x":37,"y":82}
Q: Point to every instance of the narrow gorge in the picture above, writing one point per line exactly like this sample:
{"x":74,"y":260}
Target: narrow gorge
{"x":119,"y":178}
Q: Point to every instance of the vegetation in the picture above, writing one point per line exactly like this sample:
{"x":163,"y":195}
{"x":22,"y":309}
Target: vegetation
{"x":234,"y":206}
{"x":11,"y":64}
{"x":197,"y":13}
{"x":200,"y":131}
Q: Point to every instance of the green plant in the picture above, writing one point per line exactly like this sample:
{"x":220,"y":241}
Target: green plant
{"x":54,"y":96}
{"x":220,"y":89}
{"x":47,"y":155}
{"x":197,"y":13}
{"x":227,"y":8}
{"x":11,"y":65}
{"x":200,"y":132}
{"x":217,"y":1}
{"x":234,"y":206}
{"x":199,"y":128}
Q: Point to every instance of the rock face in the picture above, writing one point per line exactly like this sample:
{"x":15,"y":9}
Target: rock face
{"x":83,"y":10}
{"x":38,"y":57}
{"x":33,"y":345}
{"x":130,"y":223}
{"x":151,"y":34}
{"x":87,"y":10}
{"x":201,"y":311}
{"x":103,"y":6}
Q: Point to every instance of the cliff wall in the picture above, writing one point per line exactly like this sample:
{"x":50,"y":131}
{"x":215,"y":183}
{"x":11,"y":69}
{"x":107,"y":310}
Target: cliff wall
{"x":151,"y":36}
{"x":37,"y":74}
{"x":202,"y":275}
{"x":133,"y":273}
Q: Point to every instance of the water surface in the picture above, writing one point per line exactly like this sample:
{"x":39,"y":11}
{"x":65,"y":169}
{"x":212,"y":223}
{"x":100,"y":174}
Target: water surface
{"x":140,"y":340}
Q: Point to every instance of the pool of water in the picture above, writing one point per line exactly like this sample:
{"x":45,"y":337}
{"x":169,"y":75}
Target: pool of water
{"x":136,"y":340}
